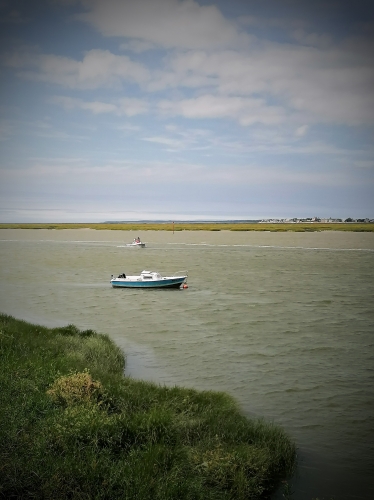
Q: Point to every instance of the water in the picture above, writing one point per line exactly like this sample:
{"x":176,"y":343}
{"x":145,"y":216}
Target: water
{"x":282,"y":321}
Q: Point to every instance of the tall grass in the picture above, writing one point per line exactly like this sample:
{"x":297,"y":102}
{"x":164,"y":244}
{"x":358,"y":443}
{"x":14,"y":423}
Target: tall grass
{"x":72,"y":426}
{"x":202,"y":226}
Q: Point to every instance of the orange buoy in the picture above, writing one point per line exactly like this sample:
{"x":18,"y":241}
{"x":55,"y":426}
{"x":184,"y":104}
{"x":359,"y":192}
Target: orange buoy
{"x":185,"y":285}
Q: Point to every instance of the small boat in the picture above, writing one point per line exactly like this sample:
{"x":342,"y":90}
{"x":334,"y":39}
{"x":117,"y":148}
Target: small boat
{"x":149,"y":279}
{"x":136,"y":243}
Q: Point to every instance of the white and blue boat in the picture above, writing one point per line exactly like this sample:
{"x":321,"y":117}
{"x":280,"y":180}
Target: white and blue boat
{"x":136,"y":243}
{"x":150,"y":279}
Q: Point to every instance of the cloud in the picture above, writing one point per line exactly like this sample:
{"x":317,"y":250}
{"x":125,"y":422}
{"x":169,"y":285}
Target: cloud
{"x":332,"y":84}
{"x":78,"y":175}
{"x":314,"y":79}
{"x":125,"y":106}
{"x":132,"y":106}
{"x":246,"y":111}
{"x":180,"y":24}
{"x":301,"y":131}
{"x":95,"y":107}
{"x":98,"y":68}
{"x":173,"y":144}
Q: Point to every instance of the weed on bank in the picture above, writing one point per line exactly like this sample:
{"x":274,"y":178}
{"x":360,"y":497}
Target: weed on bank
{"x":72,"y":426}
{"x":201,"y":226}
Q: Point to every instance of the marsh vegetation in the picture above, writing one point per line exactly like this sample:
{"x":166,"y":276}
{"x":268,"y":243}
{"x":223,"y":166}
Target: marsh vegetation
{"x":202,"y":226}
{"x":73,"y":426}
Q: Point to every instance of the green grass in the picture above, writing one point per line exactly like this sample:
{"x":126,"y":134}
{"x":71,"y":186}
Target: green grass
{"x":72,"y":426}
{"x":203,"y":226}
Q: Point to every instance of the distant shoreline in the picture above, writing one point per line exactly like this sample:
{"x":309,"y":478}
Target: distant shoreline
{"x":201,"y":226}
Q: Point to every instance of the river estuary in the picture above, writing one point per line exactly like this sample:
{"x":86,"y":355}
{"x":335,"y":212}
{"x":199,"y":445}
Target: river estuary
{"x":284,"y":322}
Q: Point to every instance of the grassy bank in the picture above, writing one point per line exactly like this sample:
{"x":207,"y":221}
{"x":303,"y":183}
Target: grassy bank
{"x":204,"y":226}
{"x":72,"y":426}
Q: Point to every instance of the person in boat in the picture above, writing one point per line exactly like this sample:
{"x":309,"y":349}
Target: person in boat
{"x":137,"y":240}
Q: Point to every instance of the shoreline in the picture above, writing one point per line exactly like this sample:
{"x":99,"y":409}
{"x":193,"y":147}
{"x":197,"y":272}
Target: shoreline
{"x":73,"y":422}
{"x":201,"y":226}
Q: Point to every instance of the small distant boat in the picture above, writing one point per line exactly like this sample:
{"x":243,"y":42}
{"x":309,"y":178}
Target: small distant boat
{"x":136,"y":243}
{"x":150,"y":279}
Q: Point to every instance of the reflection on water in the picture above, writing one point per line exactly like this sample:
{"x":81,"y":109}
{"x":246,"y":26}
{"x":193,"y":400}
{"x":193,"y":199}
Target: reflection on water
{"x":283,"y":322}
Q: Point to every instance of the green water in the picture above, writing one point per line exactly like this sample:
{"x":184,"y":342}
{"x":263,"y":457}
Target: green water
{"x":283,"y":322}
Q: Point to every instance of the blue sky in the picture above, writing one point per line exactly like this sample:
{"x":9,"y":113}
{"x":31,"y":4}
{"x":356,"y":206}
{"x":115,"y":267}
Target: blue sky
{"x":183,"y":109}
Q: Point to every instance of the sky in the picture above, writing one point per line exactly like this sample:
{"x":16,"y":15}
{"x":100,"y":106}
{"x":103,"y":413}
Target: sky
{"x":186,"y":109}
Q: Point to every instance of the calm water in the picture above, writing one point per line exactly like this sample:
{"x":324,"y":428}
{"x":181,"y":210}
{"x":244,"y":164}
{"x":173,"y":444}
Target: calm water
{"x":283,"y":322}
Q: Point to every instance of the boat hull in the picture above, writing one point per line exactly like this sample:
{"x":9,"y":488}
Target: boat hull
{"x":135,"y":245}
{"x":163,"y":283}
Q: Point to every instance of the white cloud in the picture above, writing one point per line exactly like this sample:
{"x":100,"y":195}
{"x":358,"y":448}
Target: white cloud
{"x":326,"y":82}
{"x":301,"y":131}
{"x":327,"y":85}
{"x":98,"y":68}
{"x":75,"y":175}
{"x":132,"y":106}
{"x":127,"y":128}
{"x":124,"y":106}
{"x":245,"y":110}
{"x":95,"y":107}
{"x":167,"y":23}
{"x":174,"y":144}
{"x":186,"y":66}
